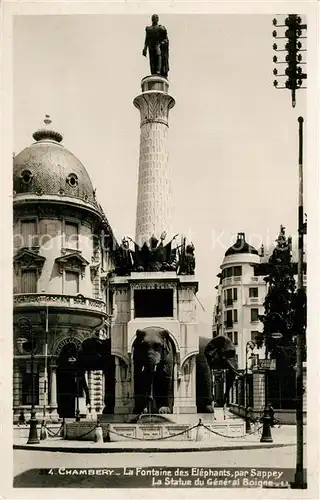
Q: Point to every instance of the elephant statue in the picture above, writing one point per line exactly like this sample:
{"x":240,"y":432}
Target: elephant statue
{"x":153,"y":358}
{"x":220,"y":354}
{"x":95,"y":354}
{"x":204,"y":385}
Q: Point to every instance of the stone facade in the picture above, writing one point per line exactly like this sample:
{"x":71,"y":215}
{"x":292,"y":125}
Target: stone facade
{"x":59,"y":270}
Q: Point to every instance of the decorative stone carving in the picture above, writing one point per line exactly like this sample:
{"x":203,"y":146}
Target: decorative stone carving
{"x":154,"y":285}
{"x":28,"y":259}
{"x":154,"y":107}
{"x":73,"y":262}
{"x":94,"y":270}
{"x":187,"y":261}
{"x":67,"y":340}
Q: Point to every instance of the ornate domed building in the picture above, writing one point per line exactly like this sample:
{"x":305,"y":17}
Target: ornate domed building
{"x":240,"y":300}
{"x":62,"y":256}
{"x":240,"y":297}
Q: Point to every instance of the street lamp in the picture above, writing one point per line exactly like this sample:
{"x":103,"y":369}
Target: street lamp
{"x":250,"y":345}
{"x":74,"y":360}
{"x":33,"y":432}
{"x":267,"y":418}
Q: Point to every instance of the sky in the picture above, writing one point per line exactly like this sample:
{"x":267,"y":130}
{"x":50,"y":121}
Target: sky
{"x":233,"y":138}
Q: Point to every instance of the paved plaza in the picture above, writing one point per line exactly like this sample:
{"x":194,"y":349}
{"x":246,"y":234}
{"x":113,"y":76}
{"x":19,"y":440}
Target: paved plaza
{"x":24,"y":460}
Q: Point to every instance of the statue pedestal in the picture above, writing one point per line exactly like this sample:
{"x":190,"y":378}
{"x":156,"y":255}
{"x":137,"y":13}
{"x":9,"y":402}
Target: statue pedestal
{"x":181,"y":325}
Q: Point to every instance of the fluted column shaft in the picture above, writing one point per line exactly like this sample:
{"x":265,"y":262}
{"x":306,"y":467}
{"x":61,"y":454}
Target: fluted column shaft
{"x":154,"y":210}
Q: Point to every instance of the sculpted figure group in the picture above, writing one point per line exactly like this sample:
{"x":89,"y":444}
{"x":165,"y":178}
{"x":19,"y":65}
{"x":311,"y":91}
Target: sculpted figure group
{"x":155,"y":256}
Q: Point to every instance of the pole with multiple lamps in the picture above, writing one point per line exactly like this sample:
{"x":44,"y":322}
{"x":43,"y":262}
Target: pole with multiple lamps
{"x":250,"y":345}
{"x":294,"y":72}
{"x":26,"y":327}
{"x":294,"y":58}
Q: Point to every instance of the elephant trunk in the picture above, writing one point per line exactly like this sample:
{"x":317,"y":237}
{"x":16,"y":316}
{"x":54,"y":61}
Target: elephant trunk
{"x":150,"y":370}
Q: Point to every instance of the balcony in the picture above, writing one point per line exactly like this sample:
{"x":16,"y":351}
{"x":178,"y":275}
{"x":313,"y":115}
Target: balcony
{"x":228,"y":324}
{"x":30,"y":300}
{"x":233,"y":280}
{"x":253,"y":301}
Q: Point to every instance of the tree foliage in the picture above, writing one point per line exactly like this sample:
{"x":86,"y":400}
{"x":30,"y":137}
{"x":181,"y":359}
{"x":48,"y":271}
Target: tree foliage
{"x":280,"y":304}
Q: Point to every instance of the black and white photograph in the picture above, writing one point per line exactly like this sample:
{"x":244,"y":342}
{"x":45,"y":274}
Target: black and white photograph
{"x":157,"y":271}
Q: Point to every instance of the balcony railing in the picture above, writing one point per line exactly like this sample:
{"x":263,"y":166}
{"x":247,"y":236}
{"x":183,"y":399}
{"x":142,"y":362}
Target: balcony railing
{"x":58,"y":300}
{"x":232,"y":280}
{"x":253,"y":300}
{"x":228,"y":324}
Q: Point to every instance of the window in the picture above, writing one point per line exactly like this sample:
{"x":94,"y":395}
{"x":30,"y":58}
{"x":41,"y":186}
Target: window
{"x":235,"y":294}
{"x":26,"y":177}
{"x":71,"y":283}
{"x":71,"y":235}
{"x":253,"y":292}
{"x":229,"y":297}
{"x":229,"y":319}
{"x":229,"y":335}
{"x":235,"y":315}
{"x":153,"y":303}
{"x":29,"y":278}
{"x":254,"y":315}
{"x":254,"y":335}
{"x":72,"y":180}
{"x":27,"y":395}
{"x":228,"y":272}
{"x":237,"y":271}
{"x":235,"y":338}
{"x":29,"y":237}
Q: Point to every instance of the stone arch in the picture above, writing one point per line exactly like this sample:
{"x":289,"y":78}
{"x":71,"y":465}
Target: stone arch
{"x":187,"y":358}
{"x":63,"y":342}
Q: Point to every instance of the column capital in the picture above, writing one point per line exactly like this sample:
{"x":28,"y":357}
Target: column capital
{"x":154,"y":107}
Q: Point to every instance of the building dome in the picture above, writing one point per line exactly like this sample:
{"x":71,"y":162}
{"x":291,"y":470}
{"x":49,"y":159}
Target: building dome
{"x":241,"y":246}
{"x":46,"y":167}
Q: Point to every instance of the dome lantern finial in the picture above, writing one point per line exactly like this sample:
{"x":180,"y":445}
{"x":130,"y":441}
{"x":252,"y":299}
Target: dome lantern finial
{"x":47,"y":133}
{"x":47,"y":120}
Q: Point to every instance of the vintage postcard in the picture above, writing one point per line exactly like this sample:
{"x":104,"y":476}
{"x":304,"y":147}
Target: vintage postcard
{"x":160,"y":245}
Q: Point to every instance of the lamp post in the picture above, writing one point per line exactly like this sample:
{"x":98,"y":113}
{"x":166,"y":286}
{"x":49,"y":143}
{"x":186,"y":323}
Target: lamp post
{"x":299,"y":480}
{"x":27,"y":328}
{"x":249,"y":346}
{"x":267,"y":418}
{"x":74,"y":360}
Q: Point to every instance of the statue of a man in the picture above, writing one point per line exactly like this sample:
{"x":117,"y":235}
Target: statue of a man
{"x":158,"y":44}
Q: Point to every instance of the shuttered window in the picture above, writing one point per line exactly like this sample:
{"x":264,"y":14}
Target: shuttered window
{"x":71,"y":235}
{"x":29,"y":279}
{"x":29,"y":236}
{"x":71,"y":283}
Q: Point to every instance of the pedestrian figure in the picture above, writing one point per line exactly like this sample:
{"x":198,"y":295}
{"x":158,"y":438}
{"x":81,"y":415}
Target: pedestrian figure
{"x":271,"y":413}
{"x":89,"y":414}
{"x":43,"y":431}
{"x":22,"y":419}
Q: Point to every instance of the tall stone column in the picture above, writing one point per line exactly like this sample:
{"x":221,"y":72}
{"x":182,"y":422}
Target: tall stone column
{"x":154,"y":211}
{"x":53,"y":393}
